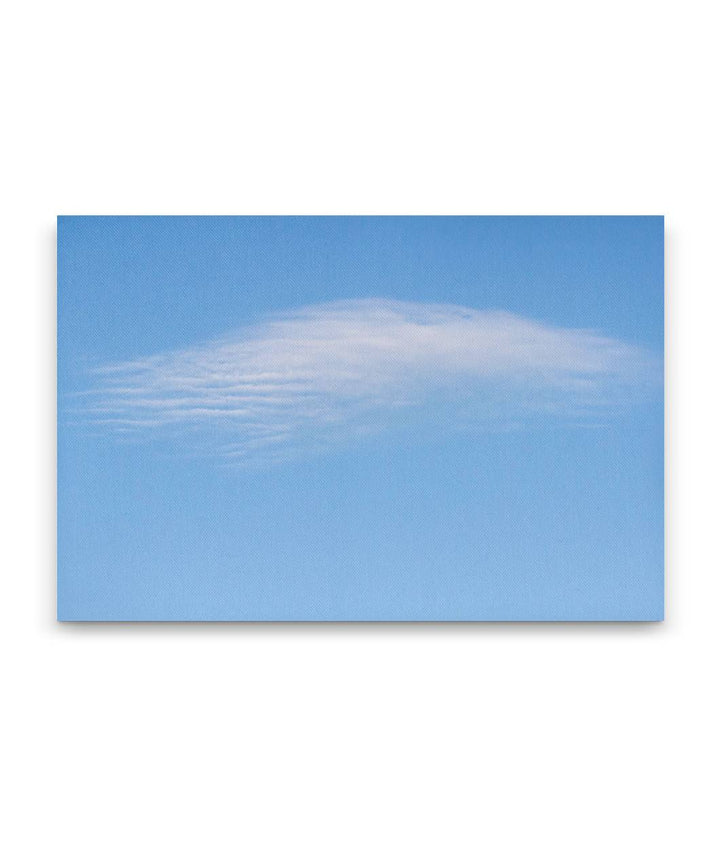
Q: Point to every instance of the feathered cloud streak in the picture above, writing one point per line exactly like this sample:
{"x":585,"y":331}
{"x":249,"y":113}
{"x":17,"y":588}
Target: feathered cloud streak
{"x":322,"y":373}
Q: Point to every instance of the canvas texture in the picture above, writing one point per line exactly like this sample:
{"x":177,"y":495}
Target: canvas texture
{"x":360,"y":418}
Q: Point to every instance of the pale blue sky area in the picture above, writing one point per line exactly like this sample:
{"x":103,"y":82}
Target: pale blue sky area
{"x":501,"y":461}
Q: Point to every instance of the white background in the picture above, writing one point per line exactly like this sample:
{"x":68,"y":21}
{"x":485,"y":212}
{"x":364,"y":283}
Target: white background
{"x":359,"y":739}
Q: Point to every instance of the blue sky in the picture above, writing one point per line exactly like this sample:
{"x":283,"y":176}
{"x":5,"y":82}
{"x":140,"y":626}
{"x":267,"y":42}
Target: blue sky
{"x":360,"y":418}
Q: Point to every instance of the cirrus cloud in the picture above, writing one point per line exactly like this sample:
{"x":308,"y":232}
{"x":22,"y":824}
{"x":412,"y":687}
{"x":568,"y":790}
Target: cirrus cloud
{"x":325,"y":373}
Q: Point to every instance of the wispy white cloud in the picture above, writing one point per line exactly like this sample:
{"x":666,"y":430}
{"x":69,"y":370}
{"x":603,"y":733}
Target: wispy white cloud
{"x":321,"y":374}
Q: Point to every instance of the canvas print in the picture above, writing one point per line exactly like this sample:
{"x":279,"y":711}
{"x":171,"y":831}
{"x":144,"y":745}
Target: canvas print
{"x":360,"y":419}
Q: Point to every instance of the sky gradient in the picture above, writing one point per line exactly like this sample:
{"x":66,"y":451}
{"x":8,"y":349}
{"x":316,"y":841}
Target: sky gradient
{"x":360,"y":418}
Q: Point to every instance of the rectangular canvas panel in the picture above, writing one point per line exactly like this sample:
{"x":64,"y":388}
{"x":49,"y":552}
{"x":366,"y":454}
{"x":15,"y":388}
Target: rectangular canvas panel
{"x":360,"y":419}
